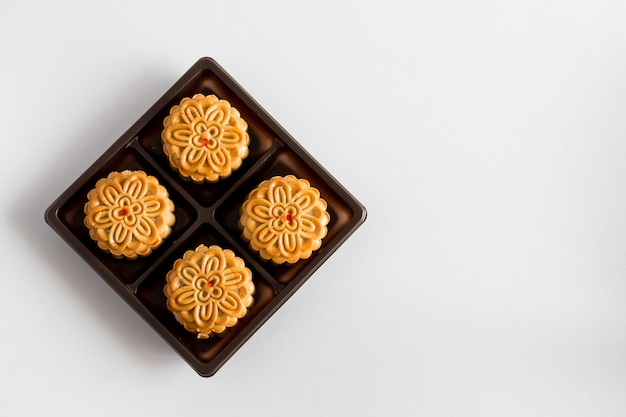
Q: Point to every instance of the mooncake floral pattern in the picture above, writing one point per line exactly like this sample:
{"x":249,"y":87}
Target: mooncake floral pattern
{"x":284,"y":219}
{"x":129,"y":213}
{"x":205,"y":138}
{"x":208,"y":290}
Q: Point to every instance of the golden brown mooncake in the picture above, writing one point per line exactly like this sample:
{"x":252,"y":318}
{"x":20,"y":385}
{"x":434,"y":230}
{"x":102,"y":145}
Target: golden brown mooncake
{"x":205,"y":138}
{"x":284,"y":219}
{"x":129,"y":214}
{"x":209,"y":289}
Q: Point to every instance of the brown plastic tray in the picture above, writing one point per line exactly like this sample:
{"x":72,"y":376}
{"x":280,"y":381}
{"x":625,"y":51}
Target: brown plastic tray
{"x":205,"y":213}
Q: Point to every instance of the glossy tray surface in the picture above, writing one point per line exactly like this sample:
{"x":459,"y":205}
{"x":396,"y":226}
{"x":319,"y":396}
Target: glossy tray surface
{"x":207,"y":214}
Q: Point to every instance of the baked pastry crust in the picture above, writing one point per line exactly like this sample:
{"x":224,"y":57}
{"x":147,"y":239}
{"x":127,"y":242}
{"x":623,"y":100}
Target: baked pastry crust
{"x":209,"y":289}
{"x":205,"y":138}
{"x":284,"y":219}
{"x":129,"y":214}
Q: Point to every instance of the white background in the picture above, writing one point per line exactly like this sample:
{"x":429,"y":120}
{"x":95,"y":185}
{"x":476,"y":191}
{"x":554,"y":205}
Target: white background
{"x":486,"y":139}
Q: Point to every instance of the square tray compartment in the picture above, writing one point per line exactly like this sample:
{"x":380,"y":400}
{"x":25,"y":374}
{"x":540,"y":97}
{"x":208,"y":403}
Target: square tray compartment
{"x":205,"y":213}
